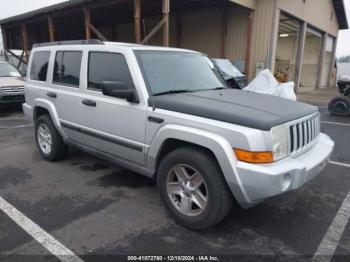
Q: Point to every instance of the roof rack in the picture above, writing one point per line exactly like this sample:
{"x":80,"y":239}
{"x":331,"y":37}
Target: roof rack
{"x":71,"y":42}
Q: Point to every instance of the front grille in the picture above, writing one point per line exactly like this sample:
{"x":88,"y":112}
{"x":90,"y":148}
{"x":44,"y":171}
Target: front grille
{"x":12,"y":89}
{"x":303,"y":134}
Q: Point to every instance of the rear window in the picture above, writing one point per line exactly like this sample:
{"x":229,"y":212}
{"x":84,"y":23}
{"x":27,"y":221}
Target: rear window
{"x":39,"y":67}
{"x":67,"y":68}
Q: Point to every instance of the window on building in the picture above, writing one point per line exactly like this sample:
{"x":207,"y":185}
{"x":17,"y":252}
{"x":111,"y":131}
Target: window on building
{"x":67,"y":68}
{"x":107,"y":67}
{"x":39,"y":66}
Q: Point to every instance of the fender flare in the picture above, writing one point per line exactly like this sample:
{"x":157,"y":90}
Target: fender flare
{"x":50,"y":107}
{"x":218,"y":145}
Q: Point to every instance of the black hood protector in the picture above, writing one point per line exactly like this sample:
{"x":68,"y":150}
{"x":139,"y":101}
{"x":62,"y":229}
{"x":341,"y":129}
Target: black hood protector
{"x":238,"y":107}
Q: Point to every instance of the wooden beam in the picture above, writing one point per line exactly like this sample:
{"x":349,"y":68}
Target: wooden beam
{"x":99,"y":35}
{"x":154,"y":31}
{"x":19,"y":58}
{"x":51,"y":28}
{"x":166,"y":10}
{"x":87,"y":22}
{"x":300,"y":55}
{"x":178,"y":29}
{"x":5,"y":42}
{"x":224,"y":30}
{"x":249,"y":44}
{"x":25,"y":41}
{"x":20,"y":61}
{"x":137,"y":16}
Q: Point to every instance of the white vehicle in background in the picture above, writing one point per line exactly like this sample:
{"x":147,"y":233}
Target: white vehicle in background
{"x":11,"y":85}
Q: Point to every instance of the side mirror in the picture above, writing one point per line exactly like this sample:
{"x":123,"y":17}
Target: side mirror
{"x":119,"y":90}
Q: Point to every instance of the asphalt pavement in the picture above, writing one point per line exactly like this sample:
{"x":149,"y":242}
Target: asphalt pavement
{"x":101,"y":212}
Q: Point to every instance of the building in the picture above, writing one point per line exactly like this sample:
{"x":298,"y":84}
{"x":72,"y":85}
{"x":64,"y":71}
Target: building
{"x":296,"y":39}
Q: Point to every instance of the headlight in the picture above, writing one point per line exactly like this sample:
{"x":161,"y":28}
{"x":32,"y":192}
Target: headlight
{"x":279,"y":142}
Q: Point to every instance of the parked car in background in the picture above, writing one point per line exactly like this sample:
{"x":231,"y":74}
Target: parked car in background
{"x":234,"y":78}
{"x":168,"y":114}
{"x":11,"y":85}
{"x":340,"y":105}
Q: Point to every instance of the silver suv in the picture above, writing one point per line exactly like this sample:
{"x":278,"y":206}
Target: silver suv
{"x":168,"y":114}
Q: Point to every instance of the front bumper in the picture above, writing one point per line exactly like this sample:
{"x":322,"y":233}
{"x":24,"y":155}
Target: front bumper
{"x":12,"y":97}
{"x":260,"y":182}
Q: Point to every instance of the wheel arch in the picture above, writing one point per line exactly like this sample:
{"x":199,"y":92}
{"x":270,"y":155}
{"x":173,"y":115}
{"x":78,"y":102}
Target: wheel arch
{"x":170,"y":137}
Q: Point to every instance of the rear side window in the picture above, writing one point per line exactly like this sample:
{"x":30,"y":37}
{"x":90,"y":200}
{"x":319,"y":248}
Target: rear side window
{"x":67,"y":68}
{"x":107,"y":67}
{"x":40,"y":63}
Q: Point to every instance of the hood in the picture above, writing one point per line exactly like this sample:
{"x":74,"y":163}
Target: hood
{"x":12,"y":81}
{"x":238,"y":107}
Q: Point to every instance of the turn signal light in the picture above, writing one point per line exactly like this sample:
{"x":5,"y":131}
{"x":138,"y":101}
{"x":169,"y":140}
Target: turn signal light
{"x":254,"y":157}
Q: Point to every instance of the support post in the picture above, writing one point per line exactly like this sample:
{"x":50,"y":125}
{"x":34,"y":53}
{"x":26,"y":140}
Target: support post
{"x":166,"y":10}
{"x":331,"y":67}
{"x":25,"y":41}
{"x":87,"y":20}
{"x":321,"y":61}
{"x":249,"y":43}
{"x":51,"y":28}
{"x":5,"y":42}
{"x":137,"y":16}
{"x":274,"y":39}
{"x":224,"y":30}
{"x":178,"y":29}
{"x":300,"y":55}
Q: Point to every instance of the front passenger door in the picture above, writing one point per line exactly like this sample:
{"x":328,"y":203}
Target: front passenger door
{"x":116,"y":127}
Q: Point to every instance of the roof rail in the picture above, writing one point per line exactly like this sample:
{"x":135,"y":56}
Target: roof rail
{"x":71,"y":42}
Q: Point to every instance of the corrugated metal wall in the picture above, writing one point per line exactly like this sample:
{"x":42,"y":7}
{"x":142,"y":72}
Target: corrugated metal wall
{"x":201,"y":31}
{"x":261,"y":35}
{"x":237,"y":33}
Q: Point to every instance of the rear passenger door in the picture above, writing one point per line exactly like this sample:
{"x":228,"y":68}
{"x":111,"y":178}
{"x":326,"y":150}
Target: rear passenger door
{"x":66,"y":92}
{"x":115,"y":127}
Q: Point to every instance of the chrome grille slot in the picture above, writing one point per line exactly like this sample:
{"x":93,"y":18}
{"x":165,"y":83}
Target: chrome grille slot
{"x":12,"y":89}
{"x":303,"y":134}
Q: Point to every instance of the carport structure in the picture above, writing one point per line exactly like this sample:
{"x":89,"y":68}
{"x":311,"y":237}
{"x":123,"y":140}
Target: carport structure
{"x":156,"y":22}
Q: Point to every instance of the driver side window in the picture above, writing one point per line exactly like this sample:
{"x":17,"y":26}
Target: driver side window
{"x":105,"y":66}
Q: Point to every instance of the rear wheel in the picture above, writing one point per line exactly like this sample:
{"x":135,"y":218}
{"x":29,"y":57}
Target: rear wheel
{"x":193,"y":188}
{"x":340,"y":106}
{"x":48,"y":140}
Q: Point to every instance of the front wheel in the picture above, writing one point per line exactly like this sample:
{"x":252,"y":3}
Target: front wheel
{"x":193,"y":188}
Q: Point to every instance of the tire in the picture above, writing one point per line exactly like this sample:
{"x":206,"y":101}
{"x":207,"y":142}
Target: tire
{"x":58,"y":149}
{"x":213,"y":187}
{"x":340,"y":106}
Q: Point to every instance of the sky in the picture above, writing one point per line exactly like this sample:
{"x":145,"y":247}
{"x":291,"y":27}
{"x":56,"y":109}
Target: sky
{"x":14,"y":7}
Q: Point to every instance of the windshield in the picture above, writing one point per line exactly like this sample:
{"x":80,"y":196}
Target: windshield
{"x":7,"y":70}
{"x":169,"y":71}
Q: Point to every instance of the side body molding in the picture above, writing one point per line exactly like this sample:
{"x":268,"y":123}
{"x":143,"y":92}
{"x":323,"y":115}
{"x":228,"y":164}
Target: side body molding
{"x":218,"y":145}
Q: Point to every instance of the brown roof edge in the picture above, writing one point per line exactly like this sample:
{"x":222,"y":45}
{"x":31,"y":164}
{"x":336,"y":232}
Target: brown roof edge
{"x":341,"y":14}
{"x":41,"y":11}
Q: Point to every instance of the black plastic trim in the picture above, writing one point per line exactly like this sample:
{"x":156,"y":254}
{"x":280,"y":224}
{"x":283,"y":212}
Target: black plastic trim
{"x":102,"y":137}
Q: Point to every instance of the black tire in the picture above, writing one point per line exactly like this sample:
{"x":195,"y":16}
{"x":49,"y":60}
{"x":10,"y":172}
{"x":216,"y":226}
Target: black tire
{"x":340,"y":106}
{"x":59,"y":149}
{"x":220,"y":199}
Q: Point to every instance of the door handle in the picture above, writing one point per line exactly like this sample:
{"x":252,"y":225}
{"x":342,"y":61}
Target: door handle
{"x":51,"y":94}
{"x":89,"y":102}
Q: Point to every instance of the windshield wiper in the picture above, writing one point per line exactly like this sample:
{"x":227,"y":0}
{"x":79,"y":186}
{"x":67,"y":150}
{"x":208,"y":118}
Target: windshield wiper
{"x":173,"y":92}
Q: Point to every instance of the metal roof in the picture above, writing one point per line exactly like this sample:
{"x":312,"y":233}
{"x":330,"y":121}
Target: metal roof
{"x":341,"y":14}
{"x":338,"y":5}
